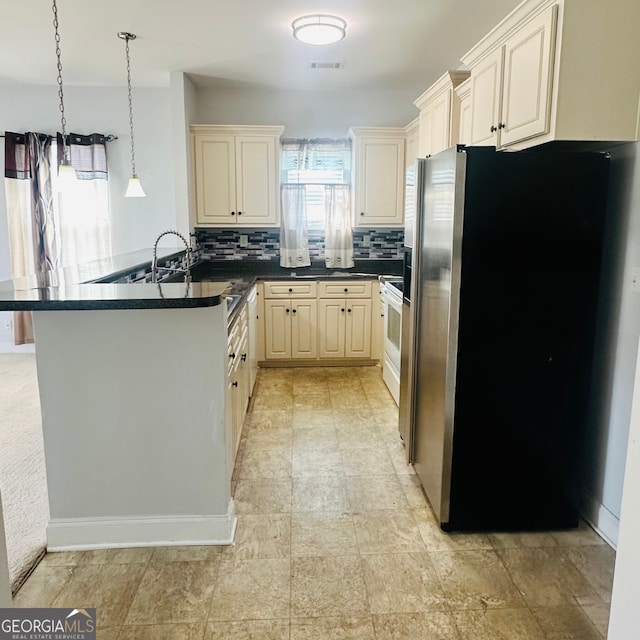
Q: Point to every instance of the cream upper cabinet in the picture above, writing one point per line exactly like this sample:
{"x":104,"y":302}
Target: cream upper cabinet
{"x":557,"y":70}
{"x":236,"y":175}
{"x":486,"y":89}
{"x":412,"y":133}
{"x":378,"y":176}
{"x":439,"y":115}
{"x":463,"y":91}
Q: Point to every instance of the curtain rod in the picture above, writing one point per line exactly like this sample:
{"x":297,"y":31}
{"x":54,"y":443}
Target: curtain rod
{"x":108,"y":138}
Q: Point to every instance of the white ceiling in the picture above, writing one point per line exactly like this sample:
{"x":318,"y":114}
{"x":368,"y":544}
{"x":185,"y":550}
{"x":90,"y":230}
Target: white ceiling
{"x":401,"y":44}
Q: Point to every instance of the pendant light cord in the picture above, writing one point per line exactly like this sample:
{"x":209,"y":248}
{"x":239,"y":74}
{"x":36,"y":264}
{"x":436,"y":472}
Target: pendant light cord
{"x":63,"y":120}
{"x":133,"y":156}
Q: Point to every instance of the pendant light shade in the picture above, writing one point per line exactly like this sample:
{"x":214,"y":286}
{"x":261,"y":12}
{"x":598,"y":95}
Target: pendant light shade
{"x":134,"y":187}
{"x":66,"y":173}
{"x":319,"y":29}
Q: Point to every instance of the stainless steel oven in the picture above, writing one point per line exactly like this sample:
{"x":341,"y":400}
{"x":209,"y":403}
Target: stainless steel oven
{"x":392,"y":299}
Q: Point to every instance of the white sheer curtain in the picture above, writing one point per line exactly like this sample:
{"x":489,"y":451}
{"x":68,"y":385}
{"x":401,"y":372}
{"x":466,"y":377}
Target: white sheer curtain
{"x":338,"y":233}
{"x":82,"y":213}
{"x":294,"y":237}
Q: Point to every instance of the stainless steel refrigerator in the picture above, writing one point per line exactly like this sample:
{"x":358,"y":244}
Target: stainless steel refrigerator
{"x":504,"y":265}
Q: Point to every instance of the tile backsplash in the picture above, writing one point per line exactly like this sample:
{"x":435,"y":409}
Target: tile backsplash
{"x":264,"y":244}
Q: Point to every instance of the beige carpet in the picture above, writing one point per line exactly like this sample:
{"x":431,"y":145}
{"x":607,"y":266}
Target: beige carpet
{"x":22,"y":470}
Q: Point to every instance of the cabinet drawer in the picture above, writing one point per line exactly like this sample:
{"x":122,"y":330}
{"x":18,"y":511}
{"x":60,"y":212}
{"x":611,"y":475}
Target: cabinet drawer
{"x":290,"y":289}
{"x":345,"y":288}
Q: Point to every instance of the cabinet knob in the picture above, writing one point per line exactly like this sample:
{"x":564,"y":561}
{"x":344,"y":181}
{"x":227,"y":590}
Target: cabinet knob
{"x":232,"y":356}
{"x":290,"y":290}
{"x":287,"y":310}
{"x":235,"y":384}
{"x":233,"y":213}
{"x":362,"y":213}
{"x":346,"y":290}
{"x":502,"y":125}
{"x":493,"y":129}
{"x":342,"y":310}
{"x":295,"y":310}
{"x":239,"y":213}
{"x":349,"y":310}
{"x":243,"y":357}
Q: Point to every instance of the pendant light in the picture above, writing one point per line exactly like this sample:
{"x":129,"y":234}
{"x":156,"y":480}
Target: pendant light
{"x":66,"y":173}
{"x":134,"y":187}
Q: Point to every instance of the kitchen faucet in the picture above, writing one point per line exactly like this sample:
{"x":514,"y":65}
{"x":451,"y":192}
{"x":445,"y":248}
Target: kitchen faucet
{"x":154,"y":263}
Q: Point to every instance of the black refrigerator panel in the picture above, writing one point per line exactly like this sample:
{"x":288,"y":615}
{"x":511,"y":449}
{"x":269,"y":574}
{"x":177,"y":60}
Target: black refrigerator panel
{"x":520,"y":335}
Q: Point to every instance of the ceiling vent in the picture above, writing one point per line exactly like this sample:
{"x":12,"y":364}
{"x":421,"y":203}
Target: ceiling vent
{"x":326,"y":65}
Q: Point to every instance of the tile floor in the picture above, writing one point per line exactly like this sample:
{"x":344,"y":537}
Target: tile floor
{"x":335,"y":541}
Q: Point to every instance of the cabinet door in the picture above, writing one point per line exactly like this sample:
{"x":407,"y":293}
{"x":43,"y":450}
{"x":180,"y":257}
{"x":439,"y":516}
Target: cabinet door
{"x":277,"y":329}
{"x":235,"y":392}
{"x":466,"y":106}
{"x":440,"y":123}
{"x":252,"y":313}
{"x":358,"y":329}
{"x":304,"y":329}
{"x":256,"y":180}
{"x":528,"y":71}
{"x":331,"y":327}
{"x":215,"y":169}
{"x":425,"y":128}
{"x":486,"y":81}
{"x":379,"y":181}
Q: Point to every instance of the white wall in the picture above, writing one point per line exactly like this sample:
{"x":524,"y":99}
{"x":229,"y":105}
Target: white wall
{"x":305,"y":114}
{"x":135,"y":221}
{"x":624,"y":620}
{"x":618,"y":333}
{"x":183,"y":109}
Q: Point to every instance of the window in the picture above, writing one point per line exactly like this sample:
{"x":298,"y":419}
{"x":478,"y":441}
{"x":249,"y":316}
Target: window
{"x":316,"y":163}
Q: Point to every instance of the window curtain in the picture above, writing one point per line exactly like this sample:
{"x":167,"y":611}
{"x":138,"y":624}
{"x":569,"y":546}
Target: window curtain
{"x":82,"y":213}
{"x":49,"y":229}
{"x":338,"y":233}
{"x":294,"y":236}
{"x":29,"y":197}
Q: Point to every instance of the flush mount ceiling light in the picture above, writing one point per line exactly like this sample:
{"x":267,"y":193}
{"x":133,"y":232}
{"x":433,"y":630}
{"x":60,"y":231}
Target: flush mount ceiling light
{"x":319,"y":29}
{"x":66,"y":173}
{"x":134,"y":187}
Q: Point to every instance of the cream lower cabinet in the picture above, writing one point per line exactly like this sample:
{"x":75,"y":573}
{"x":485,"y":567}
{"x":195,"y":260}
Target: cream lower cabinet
{"x":238,"y":378}
{"x":290,"y":329}
{"x":344,"y":319}
{"x":316,"y":321}
{"x":290,"y":320}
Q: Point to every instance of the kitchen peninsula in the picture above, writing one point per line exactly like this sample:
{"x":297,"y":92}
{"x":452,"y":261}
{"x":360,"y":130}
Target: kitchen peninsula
{"x":132,"y":384}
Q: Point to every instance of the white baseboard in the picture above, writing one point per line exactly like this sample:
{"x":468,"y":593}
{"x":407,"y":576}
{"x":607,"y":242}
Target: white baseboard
{"x":78,"y":534}
{"x":601,"y":519}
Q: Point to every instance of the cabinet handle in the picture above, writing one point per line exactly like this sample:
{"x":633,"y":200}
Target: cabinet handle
{"x":290,"y":290}
{"x":239,"y":213}
{"x":342,"y":310}
{"x":295,"y":310}
{"x":287,"y":310}
{"x":346,"y":290}
{"x":243,"y":357}
{"x":234,"y":384}
{"x":232,"y":356}
{"x":349,"y":310}
{"x":233,"y":213}
{"x":493,"y":129}
{"x":502,"y":125}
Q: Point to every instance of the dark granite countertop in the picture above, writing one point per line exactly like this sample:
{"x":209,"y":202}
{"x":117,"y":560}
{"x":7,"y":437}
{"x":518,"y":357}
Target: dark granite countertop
{"x":68,"y":289}
{"x":90,"y":297}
